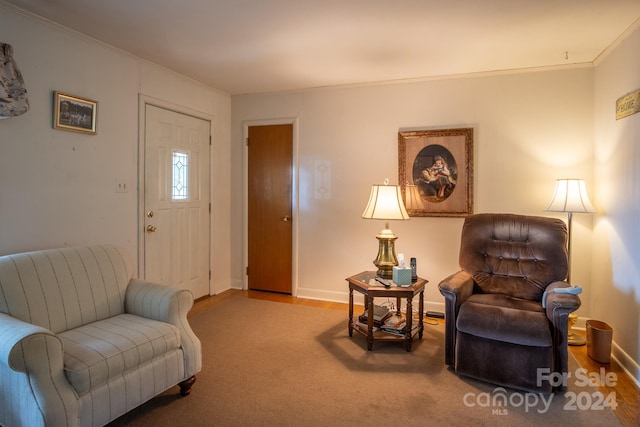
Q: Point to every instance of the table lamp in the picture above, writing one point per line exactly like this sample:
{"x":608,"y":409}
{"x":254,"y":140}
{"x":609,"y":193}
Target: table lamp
{"x":385,"y":202}
{"x":571,"y":196}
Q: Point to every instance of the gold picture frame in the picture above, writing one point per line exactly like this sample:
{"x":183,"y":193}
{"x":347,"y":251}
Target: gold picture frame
{"x":74,"y":114}
{"x":435,"y":169}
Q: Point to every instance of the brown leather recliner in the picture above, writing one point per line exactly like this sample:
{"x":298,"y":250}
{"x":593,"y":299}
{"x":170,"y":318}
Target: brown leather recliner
{"x":496,"y":327}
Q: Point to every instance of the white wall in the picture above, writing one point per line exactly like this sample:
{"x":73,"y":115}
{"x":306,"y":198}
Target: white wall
{"x":58,"y":188}
{"x":530,"y":129}
{"x":616,"y":252}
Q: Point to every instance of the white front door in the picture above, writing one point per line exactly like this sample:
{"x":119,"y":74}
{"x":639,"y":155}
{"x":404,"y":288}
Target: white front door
{"x":176,"y":200}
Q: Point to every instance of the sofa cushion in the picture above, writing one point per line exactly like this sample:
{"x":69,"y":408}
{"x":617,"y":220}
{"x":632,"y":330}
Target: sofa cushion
{"x":505,"y":318}
{"x":99,"y":352}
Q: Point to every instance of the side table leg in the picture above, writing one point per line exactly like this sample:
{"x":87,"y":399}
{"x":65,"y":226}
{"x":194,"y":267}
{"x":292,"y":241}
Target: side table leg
{"x":350,"y":312}
{"x":408,"y":339}
{"x":421,"y":315}
{"x":369,"y":323}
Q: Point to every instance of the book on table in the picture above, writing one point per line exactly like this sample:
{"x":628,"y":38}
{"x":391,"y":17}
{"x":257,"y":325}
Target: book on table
{"x":394,"y":324}
{"x":380,"y":313}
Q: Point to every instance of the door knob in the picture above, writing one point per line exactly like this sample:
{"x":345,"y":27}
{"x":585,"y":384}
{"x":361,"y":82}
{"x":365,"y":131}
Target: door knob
{"x":151,"y":229}
{"x":286,"y":218}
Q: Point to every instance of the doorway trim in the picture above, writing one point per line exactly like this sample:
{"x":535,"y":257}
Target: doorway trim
{"x":143,"y":101}
{"x":295,"y":176}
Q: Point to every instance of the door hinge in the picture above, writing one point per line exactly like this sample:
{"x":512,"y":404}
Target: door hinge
{"x":209,"y":207}
{"x":247,"y":271}
{"x":210,"y":143}
{"x":209,"y":275}
{"x":247,"y":141}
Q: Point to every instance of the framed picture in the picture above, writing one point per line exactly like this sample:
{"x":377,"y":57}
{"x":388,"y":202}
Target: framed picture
{"x":435,"y":170}
{"x":74,"y":113}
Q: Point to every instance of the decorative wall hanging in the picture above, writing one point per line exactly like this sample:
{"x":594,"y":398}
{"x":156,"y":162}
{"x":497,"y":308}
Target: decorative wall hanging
{"x":436,"y":171}
{"x":74,"y":113}
{"x":13,"y":94}
{"x":628,"y":105}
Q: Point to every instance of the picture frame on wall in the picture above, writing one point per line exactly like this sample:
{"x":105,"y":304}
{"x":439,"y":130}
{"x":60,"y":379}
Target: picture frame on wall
{"x":74,"y":114}
{"x":435,"y":171}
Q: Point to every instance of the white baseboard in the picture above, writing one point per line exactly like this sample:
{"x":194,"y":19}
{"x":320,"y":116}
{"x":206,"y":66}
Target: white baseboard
{"x":321,"y":295}
{"x":629,"y":365}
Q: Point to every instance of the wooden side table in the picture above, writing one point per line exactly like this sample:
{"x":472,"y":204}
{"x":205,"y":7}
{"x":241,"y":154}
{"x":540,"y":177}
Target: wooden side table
{"x":361,"y":283}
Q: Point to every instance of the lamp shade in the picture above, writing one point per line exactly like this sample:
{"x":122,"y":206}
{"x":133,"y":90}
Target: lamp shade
{"x":385,"y":202}
{"x":413,"y":200}
{"x":570,"y":196}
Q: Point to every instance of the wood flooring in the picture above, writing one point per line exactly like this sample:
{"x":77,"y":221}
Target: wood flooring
{"x":627,"y":393}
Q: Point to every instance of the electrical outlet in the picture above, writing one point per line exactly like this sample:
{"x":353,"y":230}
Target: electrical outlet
{"x":122,"y":187}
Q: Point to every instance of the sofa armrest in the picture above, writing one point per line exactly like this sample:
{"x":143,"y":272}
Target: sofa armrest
{"x":36,"y":353}
{"x":456,"y":289}
{"x":171,"y":305}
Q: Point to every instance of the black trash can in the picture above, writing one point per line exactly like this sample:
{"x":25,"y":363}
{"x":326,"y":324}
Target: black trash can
{"x":599,"y":337}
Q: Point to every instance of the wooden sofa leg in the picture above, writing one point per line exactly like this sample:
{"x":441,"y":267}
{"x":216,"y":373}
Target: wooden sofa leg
{"x":185,"y":386}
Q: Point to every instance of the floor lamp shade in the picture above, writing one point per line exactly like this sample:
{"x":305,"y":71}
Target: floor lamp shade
{"x":570,"y":196}
{"x":385,"y":202}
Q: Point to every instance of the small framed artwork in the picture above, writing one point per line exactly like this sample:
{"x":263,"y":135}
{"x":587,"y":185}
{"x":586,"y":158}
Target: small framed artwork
{"x":74,"y":114}
{"x":435,"y":170}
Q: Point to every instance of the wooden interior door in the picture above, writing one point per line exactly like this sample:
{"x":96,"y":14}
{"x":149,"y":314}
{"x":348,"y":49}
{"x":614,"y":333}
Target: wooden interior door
{"x":270,"y":165}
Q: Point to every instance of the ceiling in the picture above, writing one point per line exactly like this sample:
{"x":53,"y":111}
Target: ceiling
{"x":254,"y":46}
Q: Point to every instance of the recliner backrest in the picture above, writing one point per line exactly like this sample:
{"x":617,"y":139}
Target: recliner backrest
{"x":515,"y":255}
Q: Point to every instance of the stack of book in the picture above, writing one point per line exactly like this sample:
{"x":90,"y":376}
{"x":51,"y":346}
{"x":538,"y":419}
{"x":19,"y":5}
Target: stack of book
{"x":394,"y":324}
{"x":380,"y":314}
{"x":385,"y":320}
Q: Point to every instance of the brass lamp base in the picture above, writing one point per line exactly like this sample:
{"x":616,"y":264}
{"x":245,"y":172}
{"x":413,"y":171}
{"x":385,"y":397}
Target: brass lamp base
{"x":386,"y":259}
{"x":572,"y":337}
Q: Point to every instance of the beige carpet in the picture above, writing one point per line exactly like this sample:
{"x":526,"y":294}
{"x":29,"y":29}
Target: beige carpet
{"x":275,"y":364}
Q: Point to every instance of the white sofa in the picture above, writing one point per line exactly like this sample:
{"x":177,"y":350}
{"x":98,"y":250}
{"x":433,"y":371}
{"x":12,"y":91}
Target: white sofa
{"x":82,"y":342}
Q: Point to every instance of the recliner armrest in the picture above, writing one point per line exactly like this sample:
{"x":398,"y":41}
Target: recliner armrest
{"x":558,"y":308}
{"x":456,"y":289}
{"x":167,"y":304}
{"x":560,"y":305}
{"x":458,"y":286}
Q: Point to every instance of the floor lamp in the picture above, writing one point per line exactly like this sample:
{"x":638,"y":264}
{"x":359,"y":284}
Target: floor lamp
{"x":571,"y":197}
